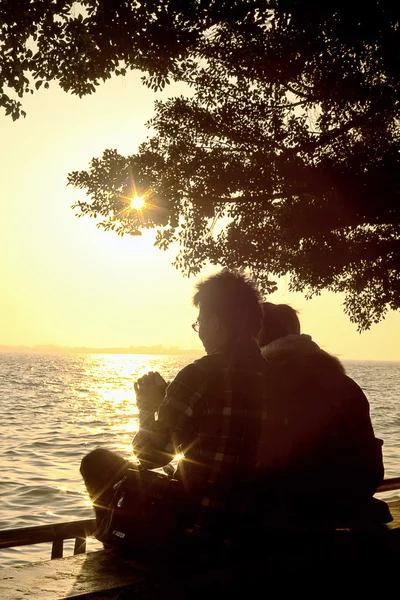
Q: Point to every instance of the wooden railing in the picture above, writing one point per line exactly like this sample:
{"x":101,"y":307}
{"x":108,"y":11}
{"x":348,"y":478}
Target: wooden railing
{"x":389,"y":484}
{"x":80,"y":530}
{"x":56,"y":534}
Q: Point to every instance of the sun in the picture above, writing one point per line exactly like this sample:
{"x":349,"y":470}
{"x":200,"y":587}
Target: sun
{"x":137,"y":202}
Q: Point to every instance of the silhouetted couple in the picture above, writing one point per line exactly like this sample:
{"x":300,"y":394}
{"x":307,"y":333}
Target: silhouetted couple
{"x":272,"y":431}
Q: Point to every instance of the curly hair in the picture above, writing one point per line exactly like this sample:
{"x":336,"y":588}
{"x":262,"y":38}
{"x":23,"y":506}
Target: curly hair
{"x":234,"y":298}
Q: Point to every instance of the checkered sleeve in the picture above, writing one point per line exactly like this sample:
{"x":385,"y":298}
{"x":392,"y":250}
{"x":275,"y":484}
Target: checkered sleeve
{"x":178,"y":416}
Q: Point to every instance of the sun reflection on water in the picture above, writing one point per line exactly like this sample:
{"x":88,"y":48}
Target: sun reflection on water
{"x":118,"y":396}
{"x":106,"y":400}
{"x":132,"y":426}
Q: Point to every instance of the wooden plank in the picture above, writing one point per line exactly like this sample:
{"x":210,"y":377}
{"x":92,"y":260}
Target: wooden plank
{"x":389,"y":484}
{"x":26,"y":536}
{"x":73,"y":577}
{"x":80,"y":530}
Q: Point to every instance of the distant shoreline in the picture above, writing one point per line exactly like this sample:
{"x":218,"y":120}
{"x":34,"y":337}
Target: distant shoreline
{"x":151,"y":350}
{"x":159,"y":350}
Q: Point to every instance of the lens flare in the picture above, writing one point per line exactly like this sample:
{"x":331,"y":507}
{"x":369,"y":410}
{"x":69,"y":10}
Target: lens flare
{"x":137,"y":202}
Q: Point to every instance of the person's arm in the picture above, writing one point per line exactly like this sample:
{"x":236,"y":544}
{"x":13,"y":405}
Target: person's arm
{"x":158,"y":441}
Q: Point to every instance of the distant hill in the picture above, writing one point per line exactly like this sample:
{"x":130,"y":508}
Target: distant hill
{"x":174,"y":350}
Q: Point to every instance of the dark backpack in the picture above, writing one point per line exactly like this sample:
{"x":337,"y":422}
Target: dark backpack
{"x":144,"y":513}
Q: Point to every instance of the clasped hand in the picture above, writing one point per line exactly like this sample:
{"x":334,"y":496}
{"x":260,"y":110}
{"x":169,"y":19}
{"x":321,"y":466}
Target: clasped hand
{"x":150,"y":391}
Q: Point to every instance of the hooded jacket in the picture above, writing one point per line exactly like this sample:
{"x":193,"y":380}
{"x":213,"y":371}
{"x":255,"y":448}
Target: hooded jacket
{"x":325,"y":455}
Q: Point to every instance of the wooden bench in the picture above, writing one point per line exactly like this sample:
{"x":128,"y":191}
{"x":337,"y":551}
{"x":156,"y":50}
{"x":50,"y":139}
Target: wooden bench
{"x":106,"y":574}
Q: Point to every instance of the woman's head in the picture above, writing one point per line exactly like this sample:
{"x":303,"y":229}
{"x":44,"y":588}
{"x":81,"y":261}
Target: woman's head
{"x":279,"y":320}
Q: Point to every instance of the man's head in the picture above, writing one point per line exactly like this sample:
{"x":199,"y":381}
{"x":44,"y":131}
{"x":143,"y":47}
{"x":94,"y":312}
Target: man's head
{"x":279,"y":320}
{"x":229,"y":308}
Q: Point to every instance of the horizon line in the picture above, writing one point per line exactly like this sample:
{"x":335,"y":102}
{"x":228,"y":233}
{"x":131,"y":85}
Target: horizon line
{"x":155,"y":349}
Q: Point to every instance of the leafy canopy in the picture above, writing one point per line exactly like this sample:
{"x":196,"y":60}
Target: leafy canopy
{"x":290,"y":134}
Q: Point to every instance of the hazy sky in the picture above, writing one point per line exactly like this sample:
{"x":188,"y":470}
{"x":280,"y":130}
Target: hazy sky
{"x":65,"y":282}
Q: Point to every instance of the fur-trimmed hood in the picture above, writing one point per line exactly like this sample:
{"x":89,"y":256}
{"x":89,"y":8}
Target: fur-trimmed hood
{"x":301,"y":351}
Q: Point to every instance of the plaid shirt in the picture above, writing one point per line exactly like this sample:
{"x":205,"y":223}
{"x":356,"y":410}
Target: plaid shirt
{"x":214,"y":412}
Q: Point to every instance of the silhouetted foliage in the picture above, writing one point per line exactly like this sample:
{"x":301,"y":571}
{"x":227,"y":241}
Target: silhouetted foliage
{"x":290,"y":131}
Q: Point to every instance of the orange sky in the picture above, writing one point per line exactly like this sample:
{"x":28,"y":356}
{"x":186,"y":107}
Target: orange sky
{"x":65,"y":282}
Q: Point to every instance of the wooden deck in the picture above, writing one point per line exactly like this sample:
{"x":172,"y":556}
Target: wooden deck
{"x":101,"y":572}
{"x":296,"y":560}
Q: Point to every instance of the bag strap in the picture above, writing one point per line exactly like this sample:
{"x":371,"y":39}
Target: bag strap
{"x":104,"y":525}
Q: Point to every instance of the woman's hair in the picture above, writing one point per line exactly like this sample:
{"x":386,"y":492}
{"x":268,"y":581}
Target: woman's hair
{"x":234,"y":298}
{"x":278,"y":321}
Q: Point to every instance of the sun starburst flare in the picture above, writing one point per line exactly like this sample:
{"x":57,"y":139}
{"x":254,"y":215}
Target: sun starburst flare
{"x":138,"y":202}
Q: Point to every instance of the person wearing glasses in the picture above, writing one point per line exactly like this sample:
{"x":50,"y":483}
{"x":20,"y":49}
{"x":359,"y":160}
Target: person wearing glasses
{"x":213,"y":412}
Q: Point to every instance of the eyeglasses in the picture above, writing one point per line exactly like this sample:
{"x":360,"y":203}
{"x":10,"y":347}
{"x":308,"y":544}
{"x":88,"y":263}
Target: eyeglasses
{"x":196,"y":326}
